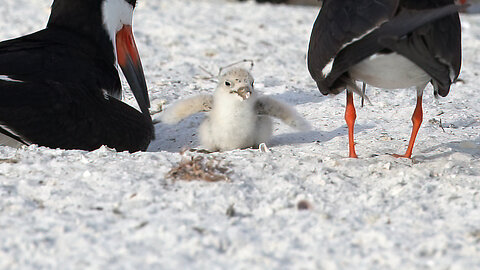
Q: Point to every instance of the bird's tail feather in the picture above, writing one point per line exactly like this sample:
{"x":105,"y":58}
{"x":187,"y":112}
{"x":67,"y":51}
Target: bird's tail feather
{"x":353,"y":87}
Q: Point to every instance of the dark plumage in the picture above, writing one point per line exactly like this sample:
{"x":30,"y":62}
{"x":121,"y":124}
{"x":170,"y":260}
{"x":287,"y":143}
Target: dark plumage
{"x":63,"y":83}
{"x":351,"y":32}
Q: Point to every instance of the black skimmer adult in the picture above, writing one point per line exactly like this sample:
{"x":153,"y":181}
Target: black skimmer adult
{"x":60,"y":87}
{"x":388,"y":44}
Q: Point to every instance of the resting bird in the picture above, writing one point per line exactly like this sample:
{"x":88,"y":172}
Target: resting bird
{"x":239,"y":116}
{"x":388,"y":44}
{"x":60,"y":87}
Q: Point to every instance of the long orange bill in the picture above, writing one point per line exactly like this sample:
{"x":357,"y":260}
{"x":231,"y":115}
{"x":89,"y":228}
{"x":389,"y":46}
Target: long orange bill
{"x":129,"y":61}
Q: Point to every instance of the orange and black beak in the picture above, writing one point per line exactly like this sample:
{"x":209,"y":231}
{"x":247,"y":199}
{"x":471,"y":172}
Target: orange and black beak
{"x":129,"y":61}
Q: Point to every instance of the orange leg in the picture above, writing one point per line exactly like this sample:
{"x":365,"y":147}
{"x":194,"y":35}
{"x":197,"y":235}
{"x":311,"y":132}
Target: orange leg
{"x":417,"y":119}
{"x":350,"y":116}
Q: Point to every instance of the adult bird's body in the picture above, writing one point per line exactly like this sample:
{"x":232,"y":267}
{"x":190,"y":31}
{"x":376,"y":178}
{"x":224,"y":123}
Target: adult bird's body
{"x":60,"y":87}
{"x":388,"y":44}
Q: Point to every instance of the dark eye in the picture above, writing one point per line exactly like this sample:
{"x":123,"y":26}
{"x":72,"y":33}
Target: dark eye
{"x":227,"y":83}
{"x":252,"y":84}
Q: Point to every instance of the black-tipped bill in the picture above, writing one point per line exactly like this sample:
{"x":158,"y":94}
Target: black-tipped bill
{"x":129,"y":61}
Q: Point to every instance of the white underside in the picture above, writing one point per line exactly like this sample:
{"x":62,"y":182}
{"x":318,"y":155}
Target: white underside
{"x":8,"y":79}
{"x":390,"y":71}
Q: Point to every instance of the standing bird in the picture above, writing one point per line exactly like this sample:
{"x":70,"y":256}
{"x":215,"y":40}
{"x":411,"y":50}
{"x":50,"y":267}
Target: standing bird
{"x":60,"y":87}
{"x":388,"y":44}
{"x":239,"y":117}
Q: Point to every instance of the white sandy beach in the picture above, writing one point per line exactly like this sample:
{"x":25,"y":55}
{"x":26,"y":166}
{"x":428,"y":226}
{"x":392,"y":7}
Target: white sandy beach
{"x":107,"y":210}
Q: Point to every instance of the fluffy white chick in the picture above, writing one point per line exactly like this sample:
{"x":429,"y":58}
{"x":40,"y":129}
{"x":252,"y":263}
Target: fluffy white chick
{"x":239,"y":117}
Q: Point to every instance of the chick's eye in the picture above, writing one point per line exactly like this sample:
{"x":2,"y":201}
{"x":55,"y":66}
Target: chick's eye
{"x":227,"y":83}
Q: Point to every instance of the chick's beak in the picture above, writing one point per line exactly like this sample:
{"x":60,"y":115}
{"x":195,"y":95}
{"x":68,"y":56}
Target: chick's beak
{"x":245,"y":92}
{"x":129,"y":61}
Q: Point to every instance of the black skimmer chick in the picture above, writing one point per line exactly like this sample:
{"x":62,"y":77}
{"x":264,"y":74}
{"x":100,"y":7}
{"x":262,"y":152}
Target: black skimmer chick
{"x":388,"y":44}
{"x":60,"y":87}
{"x":239,"y":117}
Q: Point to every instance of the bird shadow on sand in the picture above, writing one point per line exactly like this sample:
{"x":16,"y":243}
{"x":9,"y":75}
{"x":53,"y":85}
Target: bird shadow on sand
{"x":470,"y":147}
{"x":300,"y":97}
{"x":174,"y":138}
{"x":313,"y":136}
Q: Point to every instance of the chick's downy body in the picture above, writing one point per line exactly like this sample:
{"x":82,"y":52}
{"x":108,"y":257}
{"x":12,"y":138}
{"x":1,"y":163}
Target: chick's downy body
{"x":239,"y":117}
{"x":233,"y":121}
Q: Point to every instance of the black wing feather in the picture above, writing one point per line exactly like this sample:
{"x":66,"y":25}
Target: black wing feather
{"x":55,"y":115}
{"x":393,"y":35}
{"x":59,"y":100}
{"x":441,"y":62}
{"x":340,"y":22}
{"x":435,"y":47}
{"x":56,"y":55}
{"x":426,"y":32}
